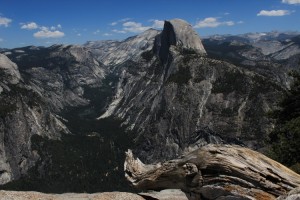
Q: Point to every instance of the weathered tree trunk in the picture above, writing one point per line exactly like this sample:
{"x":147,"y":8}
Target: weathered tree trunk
{"x":215,"y":171}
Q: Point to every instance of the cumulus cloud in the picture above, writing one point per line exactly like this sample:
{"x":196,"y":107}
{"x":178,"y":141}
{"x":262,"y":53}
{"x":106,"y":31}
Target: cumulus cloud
{"x":274,"y":13}
{"x":46,"y":33}
{"x":120,"y":21}
{"x":5,"y":21}
{"x":291,"y":1}
{"x":29,"y":26}
{"x":212,"y":22}
{"x":134,"y":27}
{"x":157,"y":23}
{"x":118,"y":31}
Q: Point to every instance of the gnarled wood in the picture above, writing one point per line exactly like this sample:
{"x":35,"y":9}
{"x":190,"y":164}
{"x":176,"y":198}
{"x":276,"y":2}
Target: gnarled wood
{"x":215,"y":171}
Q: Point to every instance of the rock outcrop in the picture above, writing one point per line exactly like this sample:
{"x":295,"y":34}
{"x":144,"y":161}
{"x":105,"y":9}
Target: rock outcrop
{"x":177,"y":32}
{"x":23,"y":113}
{"x":112,"y":53}
{"x":215,"y":172}
{"x":9,"y":70}
{"x":169,"y":194}
{"x":11,"y":195}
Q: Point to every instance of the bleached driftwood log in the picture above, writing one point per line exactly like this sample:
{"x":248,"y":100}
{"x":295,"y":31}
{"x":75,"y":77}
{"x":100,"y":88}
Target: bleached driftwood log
{"x":215,"y":171}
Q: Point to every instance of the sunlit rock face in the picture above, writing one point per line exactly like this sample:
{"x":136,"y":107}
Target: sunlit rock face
{"x":179,"y":33}
{"x":23,"y":113}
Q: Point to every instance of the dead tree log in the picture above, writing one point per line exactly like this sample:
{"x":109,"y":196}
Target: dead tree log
{"x":215,"y":171}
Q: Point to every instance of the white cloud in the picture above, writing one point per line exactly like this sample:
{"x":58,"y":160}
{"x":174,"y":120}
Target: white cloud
{"x":107,"y":34}
{"x":157,"y":23}
{"x":5,"y":21}
{"x":29,"y":26}
{"x":118,"y":31}
{"x":46,"y":33}
{"x":119,"y":21}
{"x":212,"y":22}
{"x":228,"y":23}
{"x":274,"y":13}
{"x":134,"y":27}
{"x":78,"y":34}
{"x":1,"y":40}
{"x":291,"y":1}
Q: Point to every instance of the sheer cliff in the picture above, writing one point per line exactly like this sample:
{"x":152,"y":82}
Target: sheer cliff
{"x":23,"y":113}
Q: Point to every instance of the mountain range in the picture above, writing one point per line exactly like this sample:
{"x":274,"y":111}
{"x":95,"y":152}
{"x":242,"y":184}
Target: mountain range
{"x":69,"y":112}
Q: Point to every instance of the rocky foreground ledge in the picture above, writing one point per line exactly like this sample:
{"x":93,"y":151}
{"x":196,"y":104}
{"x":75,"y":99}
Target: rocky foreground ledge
{"x":12,"y":195}
{"x":217,"y":172}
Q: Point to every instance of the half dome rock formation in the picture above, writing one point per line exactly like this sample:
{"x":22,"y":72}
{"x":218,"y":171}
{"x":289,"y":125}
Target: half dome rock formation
{"x":215,"y":172}
{"x":9,"y":70}
{"x":178,"y":32}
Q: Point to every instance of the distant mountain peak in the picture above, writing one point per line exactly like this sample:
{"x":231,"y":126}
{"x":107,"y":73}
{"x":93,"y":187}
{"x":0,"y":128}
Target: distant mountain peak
{"x":178,"y":32}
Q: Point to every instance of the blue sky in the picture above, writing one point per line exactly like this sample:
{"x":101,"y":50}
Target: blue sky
{"x":43,"y":23}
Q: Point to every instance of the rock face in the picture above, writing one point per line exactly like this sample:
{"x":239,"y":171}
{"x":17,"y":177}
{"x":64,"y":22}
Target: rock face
{"x":60,"y":73}
{"x":9,"y":70}
{"x":10,"y":195}
{"x":215,"y":172}
{"x":169,"y":194}
{"x":23,"y":113}
{"x":178,"y":32}
{"x":112,"y":53}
